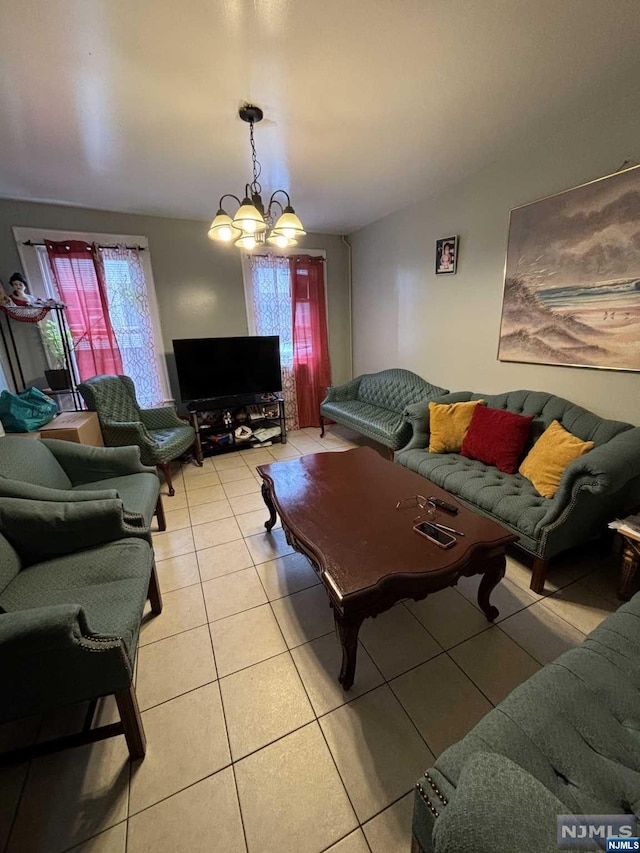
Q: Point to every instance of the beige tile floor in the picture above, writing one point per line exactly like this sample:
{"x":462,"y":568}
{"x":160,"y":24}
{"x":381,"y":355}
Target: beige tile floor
{"x":252,"y":744}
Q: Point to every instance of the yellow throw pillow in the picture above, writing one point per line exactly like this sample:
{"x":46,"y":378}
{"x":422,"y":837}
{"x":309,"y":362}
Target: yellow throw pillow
{"x":545,"y":463}
{"x":448,"y":423}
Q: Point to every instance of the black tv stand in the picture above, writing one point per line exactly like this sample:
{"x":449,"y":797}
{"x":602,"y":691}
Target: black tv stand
{"x":216,"y":421}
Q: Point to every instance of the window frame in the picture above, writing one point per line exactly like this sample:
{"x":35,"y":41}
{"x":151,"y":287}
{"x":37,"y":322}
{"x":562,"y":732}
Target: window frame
{"x":31,"y":266}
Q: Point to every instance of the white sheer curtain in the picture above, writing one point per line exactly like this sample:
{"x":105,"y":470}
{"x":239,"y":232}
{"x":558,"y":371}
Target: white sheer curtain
{"x":268,"y":291}
{"x":132,"y":322}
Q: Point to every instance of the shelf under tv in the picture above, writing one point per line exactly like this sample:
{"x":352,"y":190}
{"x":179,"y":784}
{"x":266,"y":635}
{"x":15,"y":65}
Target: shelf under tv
{"x":215,"y":435}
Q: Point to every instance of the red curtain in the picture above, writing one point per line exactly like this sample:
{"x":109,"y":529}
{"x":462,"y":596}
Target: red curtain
{"x":82,"y":289}
{"x":311,"y":365}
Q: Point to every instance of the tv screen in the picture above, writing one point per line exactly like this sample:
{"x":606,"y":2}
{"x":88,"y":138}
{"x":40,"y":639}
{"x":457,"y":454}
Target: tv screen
{"x":222,"y":367}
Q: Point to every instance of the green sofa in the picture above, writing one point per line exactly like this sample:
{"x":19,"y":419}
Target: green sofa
{"x":74,"y":578}
{"x":599,"y":486}
{"x":374,"y":404}
{"x":61,"y":470}
{"x":564,"y":742}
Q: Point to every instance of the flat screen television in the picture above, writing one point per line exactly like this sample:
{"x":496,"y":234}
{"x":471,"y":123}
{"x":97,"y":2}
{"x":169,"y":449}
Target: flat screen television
{"x":224,"y":367}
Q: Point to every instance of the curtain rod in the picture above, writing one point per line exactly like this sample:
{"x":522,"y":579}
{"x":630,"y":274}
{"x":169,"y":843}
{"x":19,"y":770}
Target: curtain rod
{"x":289,"y":257}
{"x":138,"y":248}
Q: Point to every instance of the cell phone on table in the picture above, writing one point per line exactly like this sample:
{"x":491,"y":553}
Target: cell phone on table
{"x":439,"y":537}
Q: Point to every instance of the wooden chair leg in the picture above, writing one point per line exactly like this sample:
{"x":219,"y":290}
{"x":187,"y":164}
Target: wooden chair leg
{"x":162,"y":521}
{"x":321,"y":427}
{"x":131,"y":723}
{"x":165,"y":467}
{"x":154,"y":595}
{"x":540,"y":568}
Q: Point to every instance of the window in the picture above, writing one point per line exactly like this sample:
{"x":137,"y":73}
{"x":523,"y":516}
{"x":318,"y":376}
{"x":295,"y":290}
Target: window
{"x":132,"y":309}
{"x":285,"y":296}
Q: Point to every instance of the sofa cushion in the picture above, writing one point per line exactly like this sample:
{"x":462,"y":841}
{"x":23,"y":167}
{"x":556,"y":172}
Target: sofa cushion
{"x":29,"y":461}
{"x":510,"y":498}
{"x":110,"y":583}
{"x":369,"y":419}
{"x":497,"y":437}
{"x":546,"y":461}
{"x":138,"y":492}
{"x":448,"y":425}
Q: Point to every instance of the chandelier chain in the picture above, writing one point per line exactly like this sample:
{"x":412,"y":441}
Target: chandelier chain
{"x":257,"y":168}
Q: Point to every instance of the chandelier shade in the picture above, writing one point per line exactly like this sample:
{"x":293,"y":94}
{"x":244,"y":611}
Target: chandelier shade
{"x":288,"y":225}
{"x":222,"y":228}
{"x":248,"y":218}
{"x":252,"y":225}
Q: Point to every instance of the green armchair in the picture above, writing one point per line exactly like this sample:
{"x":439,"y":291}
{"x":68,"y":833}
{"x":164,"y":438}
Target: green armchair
{"x":52,"y":470}
{"x":159,"y":433}
{"x":74,"y":578}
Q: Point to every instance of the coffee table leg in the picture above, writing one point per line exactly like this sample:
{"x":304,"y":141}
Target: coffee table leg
{"x":490,"y":580}
{"x":348,"y":632}
{"x":266,"y":494}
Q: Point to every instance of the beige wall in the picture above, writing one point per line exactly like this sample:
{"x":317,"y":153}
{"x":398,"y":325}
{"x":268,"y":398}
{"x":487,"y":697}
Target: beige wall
{"x":446,"y":327}
{"x":198,"y":283}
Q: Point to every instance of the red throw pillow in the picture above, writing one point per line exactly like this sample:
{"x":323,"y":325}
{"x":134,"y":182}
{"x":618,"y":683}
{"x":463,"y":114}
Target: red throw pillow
{"x":496,"y":437}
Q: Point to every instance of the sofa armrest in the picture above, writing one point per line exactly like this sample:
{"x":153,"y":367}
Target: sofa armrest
{"x":84,"y":464}
{"x":608,"y":467}
{"x":54,"y":626}
{"x":417,"y":414}
{"x":342,"y":393}
{"x":42,"y":530}
{"x":28,"y":491}
{"x":164,"y":417}
{"x":49,"y":656}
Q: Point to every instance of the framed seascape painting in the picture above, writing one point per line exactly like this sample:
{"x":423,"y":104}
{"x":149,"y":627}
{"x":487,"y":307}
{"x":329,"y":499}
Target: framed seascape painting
{"x":446,"y":255}
{"x":572,"y":277}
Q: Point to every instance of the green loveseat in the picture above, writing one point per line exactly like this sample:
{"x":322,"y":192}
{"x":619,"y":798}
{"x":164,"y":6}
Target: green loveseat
{"x":61,"y":470}
{"x":596,"y":488}
{"x":564,"y":742}
{"x":374,"y":404}
{"x":74,"y":578}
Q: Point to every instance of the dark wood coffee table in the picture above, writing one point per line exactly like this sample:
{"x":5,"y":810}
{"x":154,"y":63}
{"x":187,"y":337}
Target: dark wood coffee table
{"x":339,"y":510}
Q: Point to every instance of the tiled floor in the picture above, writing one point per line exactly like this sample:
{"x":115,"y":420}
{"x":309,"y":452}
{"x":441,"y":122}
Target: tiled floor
{"x":252,"y":744}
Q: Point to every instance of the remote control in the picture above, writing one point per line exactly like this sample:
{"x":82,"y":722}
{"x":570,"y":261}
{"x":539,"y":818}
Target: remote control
{"x":444,"y":505}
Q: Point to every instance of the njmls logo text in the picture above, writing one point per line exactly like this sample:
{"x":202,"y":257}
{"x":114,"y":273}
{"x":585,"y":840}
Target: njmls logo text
{"x":591,"y":831}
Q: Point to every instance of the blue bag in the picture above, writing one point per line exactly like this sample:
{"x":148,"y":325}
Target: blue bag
{"x":27,"y":411}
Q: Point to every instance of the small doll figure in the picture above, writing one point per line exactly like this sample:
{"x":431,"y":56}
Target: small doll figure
{"x":19,"y":292}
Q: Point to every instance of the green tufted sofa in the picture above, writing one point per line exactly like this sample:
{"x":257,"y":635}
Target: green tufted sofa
{"x":564,"y":742}
{"x":374,"y":404}
{"x":595,"y":488}
{"x":74,"y":578}
{"x":51,"y":470}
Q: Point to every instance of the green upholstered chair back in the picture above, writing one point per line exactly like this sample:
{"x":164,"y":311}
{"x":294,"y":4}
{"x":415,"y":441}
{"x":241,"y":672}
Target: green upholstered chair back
{"x":29,"y":461}
{"x":395,"y":389}
{"x":9,"y":562}
{"x":112,"y":397}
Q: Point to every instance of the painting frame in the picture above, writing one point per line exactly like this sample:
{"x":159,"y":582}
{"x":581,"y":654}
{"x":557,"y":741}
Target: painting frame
{"x":579,"y":306}
{"x":451,"y":266}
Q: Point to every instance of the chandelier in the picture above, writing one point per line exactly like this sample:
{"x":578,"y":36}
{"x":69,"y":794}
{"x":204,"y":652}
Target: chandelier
{"x":248,"y":228}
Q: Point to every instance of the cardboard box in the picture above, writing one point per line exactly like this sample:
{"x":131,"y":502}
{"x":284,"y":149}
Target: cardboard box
{"x":80,"y":427}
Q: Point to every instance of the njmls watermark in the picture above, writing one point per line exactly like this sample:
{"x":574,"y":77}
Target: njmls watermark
{"x":598,"y":832}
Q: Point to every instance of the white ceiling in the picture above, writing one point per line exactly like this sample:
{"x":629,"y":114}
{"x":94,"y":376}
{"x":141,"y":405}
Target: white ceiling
{"x":369,"y":104}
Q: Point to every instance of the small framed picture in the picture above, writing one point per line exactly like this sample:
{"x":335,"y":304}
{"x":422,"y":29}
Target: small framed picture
{"x":446,"y":255}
